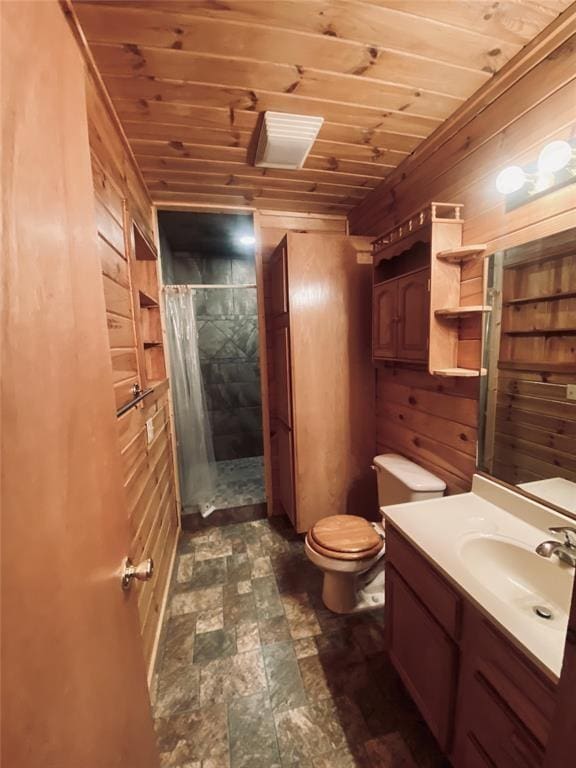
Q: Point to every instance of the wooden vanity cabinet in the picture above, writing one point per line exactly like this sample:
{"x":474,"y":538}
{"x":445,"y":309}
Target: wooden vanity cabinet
{"x":485,"y":702}
{"x":422,"y":626}
{"x":428,"y":669}
{"x":505,"y":705}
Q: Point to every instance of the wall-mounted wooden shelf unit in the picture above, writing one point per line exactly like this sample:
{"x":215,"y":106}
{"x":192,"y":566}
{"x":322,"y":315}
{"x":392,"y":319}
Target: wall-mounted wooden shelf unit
{"x":144,"y":250}
{"x":462,"y":254}
{"x":146,"y":299}
{"x":430,"y":244}
{"x":461,"y":372}
{"x":455,"y":313}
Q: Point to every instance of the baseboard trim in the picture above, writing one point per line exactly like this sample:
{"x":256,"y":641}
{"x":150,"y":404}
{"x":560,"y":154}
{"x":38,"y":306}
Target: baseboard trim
{"x":163,"y":605}
{"x":195,"y":522}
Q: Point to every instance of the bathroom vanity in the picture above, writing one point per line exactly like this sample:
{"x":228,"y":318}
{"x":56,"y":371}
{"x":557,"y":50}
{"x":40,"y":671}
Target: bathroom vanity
{"x":476,"y":621}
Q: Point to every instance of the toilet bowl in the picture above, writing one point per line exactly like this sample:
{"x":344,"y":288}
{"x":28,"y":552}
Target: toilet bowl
{"x":350,"y":550}
{"x":344,"y":547}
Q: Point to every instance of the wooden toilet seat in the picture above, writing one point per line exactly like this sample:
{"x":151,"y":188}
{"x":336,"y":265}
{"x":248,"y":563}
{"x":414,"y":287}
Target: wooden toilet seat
{"x":345,"y":537}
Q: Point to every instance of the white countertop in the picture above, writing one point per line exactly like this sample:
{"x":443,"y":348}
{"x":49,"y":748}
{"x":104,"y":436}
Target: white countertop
{"x":483,"y":542}
{"x":556,"y":490}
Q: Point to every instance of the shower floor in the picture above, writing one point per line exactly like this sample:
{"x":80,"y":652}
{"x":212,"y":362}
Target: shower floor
{"x":239,"y":482}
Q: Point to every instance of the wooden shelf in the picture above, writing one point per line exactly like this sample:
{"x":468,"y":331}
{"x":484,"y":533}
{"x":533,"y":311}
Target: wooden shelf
{"x":153,"y":383}
{"x":146,"y":300}
{"x":460,"y":372}
{"x":456,"y":312}
{"x":462,"y":253}
{"x":538,"y":366}
{"x":543,"y":297}
{"x":542,"y":332}
{"x":143,"y":249}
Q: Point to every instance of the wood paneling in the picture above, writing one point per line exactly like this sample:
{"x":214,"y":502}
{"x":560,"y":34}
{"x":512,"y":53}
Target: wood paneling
{"x":149,"y":484}
{"x":189,"y":79}
{"x":531,"y":101}
{"x":147,"y":470}
{"x":431,"y":421}
{"x":111,"y":220}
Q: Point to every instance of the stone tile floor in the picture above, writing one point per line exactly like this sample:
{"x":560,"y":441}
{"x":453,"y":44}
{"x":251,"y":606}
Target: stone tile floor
{"x":239,"y":482}
{"x":254,"y":672}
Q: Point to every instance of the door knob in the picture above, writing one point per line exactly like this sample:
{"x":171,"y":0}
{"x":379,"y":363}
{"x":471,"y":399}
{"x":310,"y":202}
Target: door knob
{"x":143,"y":571}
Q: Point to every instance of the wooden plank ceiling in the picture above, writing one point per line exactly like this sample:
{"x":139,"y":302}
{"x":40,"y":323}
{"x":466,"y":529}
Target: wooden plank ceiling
{"x":189,"y":80}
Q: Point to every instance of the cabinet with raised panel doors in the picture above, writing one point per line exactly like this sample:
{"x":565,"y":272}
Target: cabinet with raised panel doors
{"x":321,"y":382}
{"x":400,"y":318}
{"x":417,"y":302}
{"x":485,"y":702}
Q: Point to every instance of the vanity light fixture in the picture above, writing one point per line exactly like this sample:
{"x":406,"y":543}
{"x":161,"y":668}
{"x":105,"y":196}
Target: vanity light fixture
{"x":555,"y":168}
{"x":511,"y":179}
{"x":554,"y":157}
{"x":247,"y":240}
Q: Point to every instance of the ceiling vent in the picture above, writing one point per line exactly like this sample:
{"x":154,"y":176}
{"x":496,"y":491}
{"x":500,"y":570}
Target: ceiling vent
{"x":285,"y":140}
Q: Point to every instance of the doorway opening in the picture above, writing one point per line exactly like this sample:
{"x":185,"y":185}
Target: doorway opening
{"x":209,"y":258}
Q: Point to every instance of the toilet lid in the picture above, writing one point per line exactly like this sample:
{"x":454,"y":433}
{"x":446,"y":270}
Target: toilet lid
{"x":345,"y":537}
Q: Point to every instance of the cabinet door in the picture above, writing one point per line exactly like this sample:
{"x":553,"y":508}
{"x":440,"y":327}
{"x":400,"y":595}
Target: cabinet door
{"x":279,"y":281}
{"x":384,"y":320}
{"x":492,"y":725}
{"x":413,"y":311}
{"x":423,"y":655}
{"x":286,"y":470}
{"x":281,"y":357}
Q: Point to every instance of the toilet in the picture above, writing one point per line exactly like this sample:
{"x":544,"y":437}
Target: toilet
{"x":350,"y":550}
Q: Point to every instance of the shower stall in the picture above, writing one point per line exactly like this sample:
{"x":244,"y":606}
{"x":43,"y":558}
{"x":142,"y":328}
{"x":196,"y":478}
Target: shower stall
{"x":212,"y":323}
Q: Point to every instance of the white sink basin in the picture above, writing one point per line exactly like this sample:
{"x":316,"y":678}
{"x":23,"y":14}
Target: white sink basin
{"x":519,"y":577}
{"x":484,"y":543}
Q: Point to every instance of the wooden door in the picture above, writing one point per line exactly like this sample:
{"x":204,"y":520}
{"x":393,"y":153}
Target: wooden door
{"x":281,"y":357}
{"x":423,"y":655}
{"x":413,"y":309}
{"x":384,"y":322}
{"x":73,"y":678}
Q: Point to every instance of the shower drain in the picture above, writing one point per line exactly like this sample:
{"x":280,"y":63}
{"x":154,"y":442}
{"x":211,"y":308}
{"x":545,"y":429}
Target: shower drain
{"x":543,"y":612}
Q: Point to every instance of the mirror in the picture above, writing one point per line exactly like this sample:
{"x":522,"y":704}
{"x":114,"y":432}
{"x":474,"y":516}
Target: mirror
{"x":528,"y":395}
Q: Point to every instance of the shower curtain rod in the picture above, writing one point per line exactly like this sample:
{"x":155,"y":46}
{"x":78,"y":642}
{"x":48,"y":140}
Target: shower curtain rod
{"x":203,"y":285}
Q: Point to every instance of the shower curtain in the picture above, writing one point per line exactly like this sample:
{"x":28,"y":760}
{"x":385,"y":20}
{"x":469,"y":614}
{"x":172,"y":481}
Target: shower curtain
{"x":195,"y":449}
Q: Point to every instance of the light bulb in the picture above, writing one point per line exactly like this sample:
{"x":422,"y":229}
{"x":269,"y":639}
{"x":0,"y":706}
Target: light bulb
{"x":544,"y":181}
{"x":510,"y":180}
{"x":247,"y":240}
{"x":554,"y":157}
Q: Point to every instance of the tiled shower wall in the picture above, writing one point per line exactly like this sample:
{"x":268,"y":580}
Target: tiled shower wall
{"x":228,"y":344}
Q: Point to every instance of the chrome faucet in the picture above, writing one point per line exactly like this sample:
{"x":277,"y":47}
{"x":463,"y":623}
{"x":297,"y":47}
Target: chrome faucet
{"x":565,"y":550}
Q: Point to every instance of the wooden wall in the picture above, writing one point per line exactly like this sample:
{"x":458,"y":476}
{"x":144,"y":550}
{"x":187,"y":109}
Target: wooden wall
{"x":532,"y":101}
{"x":147,"y":467}
{"x":270,"y":227}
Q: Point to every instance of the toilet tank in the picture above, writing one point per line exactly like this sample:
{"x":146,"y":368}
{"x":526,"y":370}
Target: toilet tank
{"x":401,"y":480}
